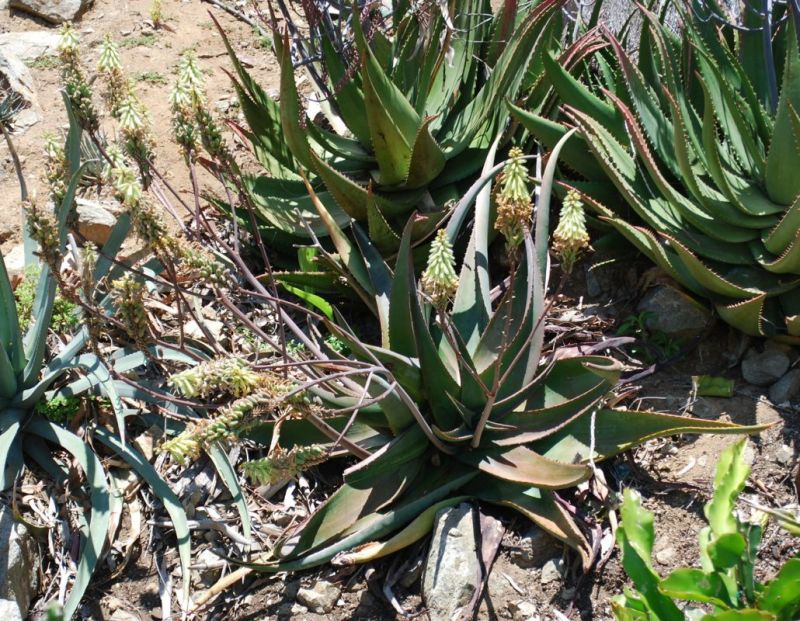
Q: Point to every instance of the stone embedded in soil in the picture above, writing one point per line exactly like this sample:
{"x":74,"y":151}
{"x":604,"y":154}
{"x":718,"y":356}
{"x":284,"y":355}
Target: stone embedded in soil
{"x":17,"y":78}
{"x":784,"y":455}
{"x":18,"y":568}
{"x":552,"y":571}
{"x":55,"y":11}
{"x":96,"y":220}
{"x":452,"y":570}
{"x":534,"y":549}
{"x":28,"y":46}
{"x":765,"y":367}
{"x":320,"y":598}
{"x":786,"y":389}
{"x":665,"y":556}
{"x":674,"y":313}
{"x":523,"y":611}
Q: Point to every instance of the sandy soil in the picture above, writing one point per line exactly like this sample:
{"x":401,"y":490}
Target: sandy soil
{"x":151,"y":58}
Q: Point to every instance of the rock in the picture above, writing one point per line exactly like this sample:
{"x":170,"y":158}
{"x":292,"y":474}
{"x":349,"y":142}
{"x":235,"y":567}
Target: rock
{"x":535,"y":548}
{"x":28,"y":46}
{"x":452,"y":570}
{"x":55,"y":11}
{"x":321,"y":598}
{"x":674,"y":313}
{"x":523,"y":611}
{"x":552,"y":571}
{"x":15,"y":261}
{"x":96,"y":220}
{"x":665,"y":555}
{"x":15,"y":77}
{"x":786,"y":389}
{"x":18,"y":569}
{"x":784,"y":455}
{"x":766,"y":367}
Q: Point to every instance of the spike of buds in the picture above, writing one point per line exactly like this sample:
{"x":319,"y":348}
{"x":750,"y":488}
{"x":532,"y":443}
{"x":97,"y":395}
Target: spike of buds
{"x":285,"y":464}
{"x":514,"y":206}
{"x":570,"y":238}
{"x":439,"y":280}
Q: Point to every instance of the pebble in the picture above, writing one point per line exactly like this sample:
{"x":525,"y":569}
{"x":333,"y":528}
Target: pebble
{"x":320,"y":598}
{"x":665,"y":556}
{"x":784,"y":455}
{"x":523,"y":611}
{"x":552,"y":571}
{"x":786,"y":389}
{"x":765,"y":367}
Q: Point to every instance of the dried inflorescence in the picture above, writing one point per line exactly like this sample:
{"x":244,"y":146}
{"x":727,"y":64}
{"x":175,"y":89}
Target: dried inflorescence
{"x":129,"y":297}
{"x":109,"y":66}
{"x":231,"y":376}
{"x":56,"y":167}
{"x":439,"y":280}
{"x":226,"y":425}
{"x":283,"y":464}
{"x":75,"y":83}
{"x":43,"y":229}
{"x":570,"y":238}
{"x":514,"y":206}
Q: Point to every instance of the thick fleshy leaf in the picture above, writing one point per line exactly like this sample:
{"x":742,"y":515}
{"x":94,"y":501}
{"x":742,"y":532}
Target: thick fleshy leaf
{"x":696,"y":586}
{"x":522,"y":465}
{"x":539,"y":506}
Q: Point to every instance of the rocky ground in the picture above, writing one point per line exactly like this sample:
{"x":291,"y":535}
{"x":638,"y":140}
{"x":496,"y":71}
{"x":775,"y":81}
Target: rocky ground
{"x":532,"y":577}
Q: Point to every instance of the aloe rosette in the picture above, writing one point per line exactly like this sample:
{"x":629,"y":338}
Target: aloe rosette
{"x":458,"y":402}
{"x":693,"y":145}
{"x":408,"y":115}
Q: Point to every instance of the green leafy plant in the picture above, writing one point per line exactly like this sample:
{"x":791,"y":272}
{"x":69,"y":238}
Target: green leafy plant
{"x":688,"y":138}
{"x":653,"y":345}
{"x":455,"y":402}
{"x":65,"y":316}
{"x":725,"y":586}
{"x":408,"y":117}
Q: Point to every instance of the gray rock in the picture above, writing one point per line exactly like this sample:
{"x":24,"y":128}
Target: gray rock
{"x":55,"y":11}
{"x":765,"y":367}
{"x":552,"y":571}
{"x":18,"y":569}
{"x":96,"y":220}
{"x":786,"y":389}
{"x":784,"y":455}
{"x":523,"y":611}
{"x":674,"y":313}
{"x":321,"y":598}
{"x":28,"y":46}
{"x":665,"y":555}
{"x":452,"y":570}
{"x":15,"y":77}
{"x":534,"y":549}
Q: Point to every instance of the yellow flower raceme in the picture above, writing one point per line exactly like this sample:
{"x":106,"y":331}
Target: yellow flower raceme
{"x":570,"y":238}
{"x":514,"y":206}
{"x":439,"y":280}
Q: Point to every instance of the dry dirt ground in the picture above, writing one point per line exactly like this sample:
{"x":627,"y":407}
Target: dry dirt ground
{"x":674,"y":476}
{"x":150,"y":57}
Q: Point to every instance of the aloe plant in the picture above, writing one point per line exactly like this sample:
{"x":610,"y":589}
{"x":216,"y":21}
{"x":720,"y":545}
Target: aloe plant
{"x":28,"y":378}
{"x":408,"y":116}
{"x":725,"y":587}
{"x":707,"y":170}
{"x":456,"y":402}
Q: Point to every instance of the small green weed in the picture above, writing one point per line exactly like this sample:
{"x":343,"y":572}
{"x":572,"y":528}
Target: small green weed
{"x":147,"y":39}
{"x":65,"y":319}
{"x":150,"y":77}
{"x":43,"y":62}
{"x":652,"y":345}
